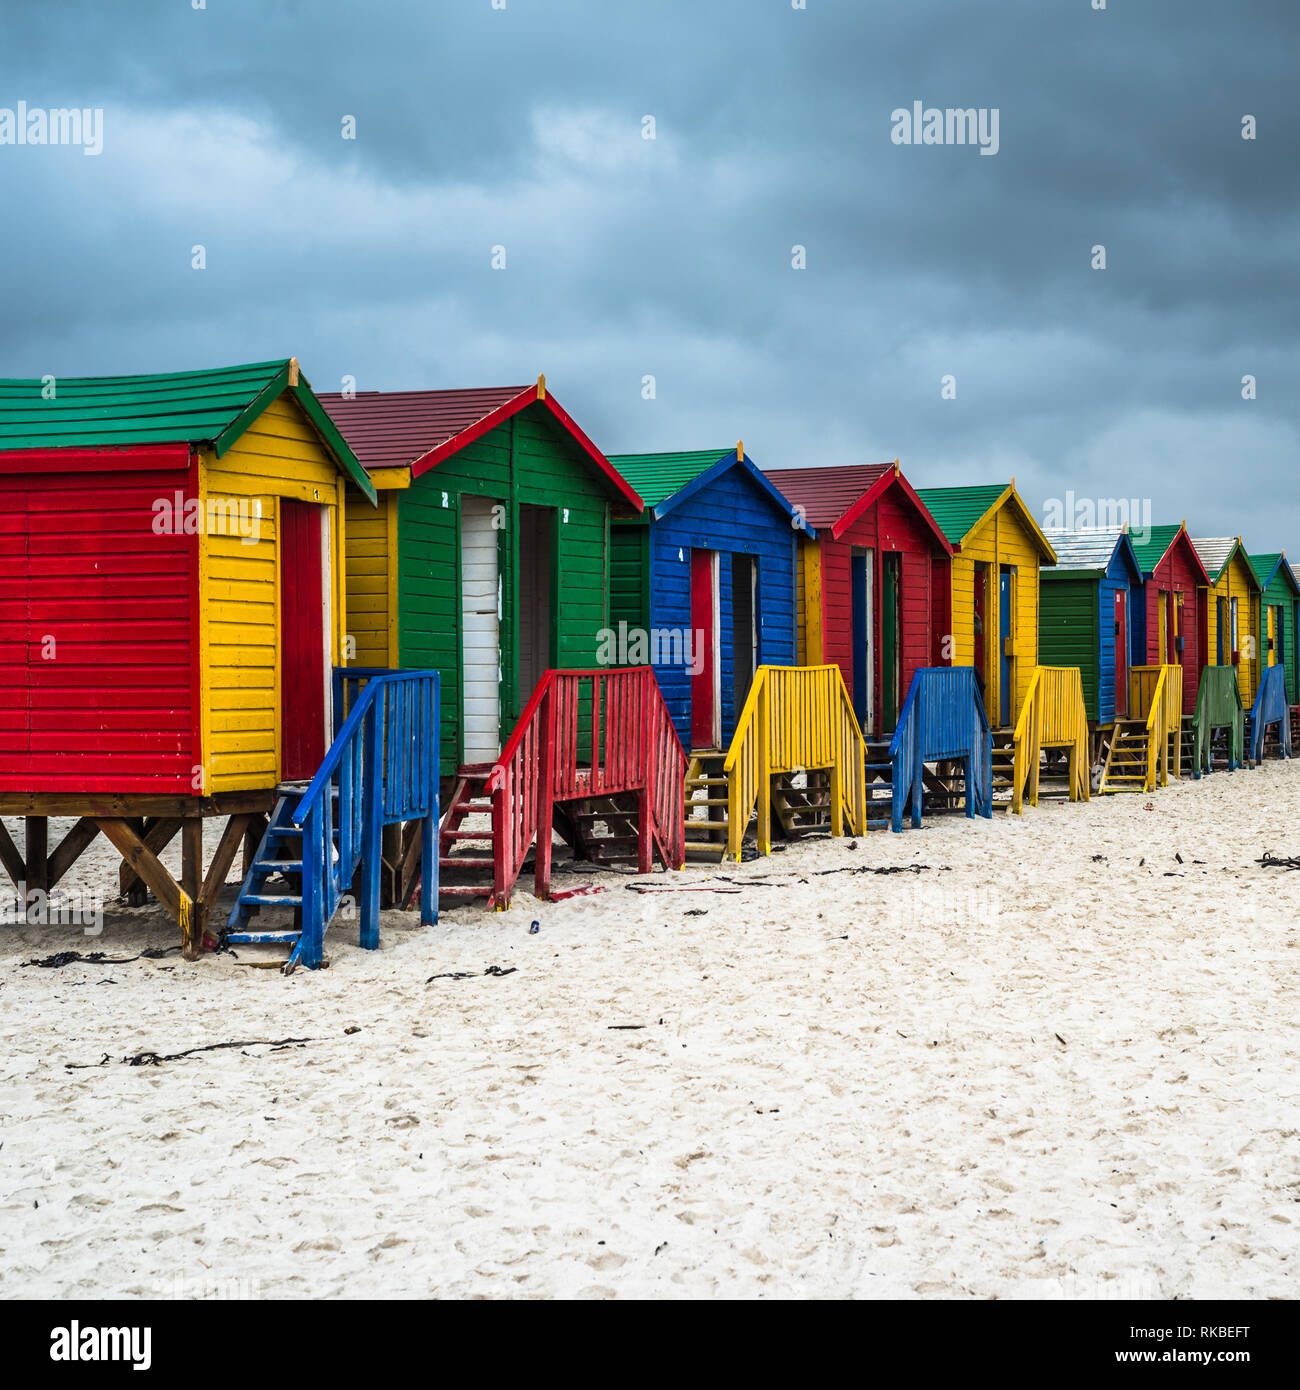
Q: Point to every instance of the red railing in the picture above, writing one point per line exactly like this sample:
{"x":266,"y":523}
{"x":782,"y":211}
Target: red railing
{"x":586,"y":734}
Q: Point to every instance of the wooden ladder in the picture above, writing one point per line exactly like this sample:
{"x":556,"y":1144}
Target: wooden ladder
{"x":1126,"y":759}
{"x":1004,"y":767}
{"x":705,"y":790}
{"x":471,"y":866}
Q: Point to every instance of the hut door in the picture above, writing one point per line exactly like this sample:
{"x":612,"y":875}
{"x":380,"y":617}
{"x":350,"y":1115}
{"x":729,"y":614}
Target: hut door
{"x":304,"y":653}
{"x":981,"y":607}
{"x":480,"y":591}
{"x":536,"y":606}
{"x":889,"y":656}
{"x":706,"y":682}
{"x":1220,"y":618}
{"x":1004,"y":645}
{"x":860,"y":575}
{"x":1162,"y":625}
{"x":744,"y":626}
{"x":1272,"y":635}
{"x":1121,"y":653}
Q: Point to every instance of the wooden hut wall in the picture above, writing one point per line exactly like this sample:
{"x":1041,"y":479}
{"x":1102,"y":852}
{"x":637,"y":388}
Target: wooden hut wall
{"x":98,"y":622}
{"x":734,"y":515}
{"x":891,"y":526}
{"x":278,"y":458}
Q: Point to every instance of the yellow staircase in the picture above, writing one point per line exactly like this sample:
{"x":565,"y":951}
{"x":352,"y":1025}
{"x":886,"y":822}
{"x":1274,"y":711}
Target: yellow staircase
{"x":1052,"y":716}
{"x":1143,"y":745}
{"x":798,"y":759}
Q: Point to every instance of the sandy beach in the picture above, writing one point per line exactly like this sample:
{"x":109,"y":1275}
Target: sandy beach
{"x":1054,"y":1062}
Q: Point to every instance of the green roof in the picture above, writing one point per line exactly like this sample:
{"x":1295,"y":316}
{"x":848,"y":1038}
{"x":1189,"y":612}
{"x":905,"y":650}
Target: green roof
{"x":957,"y":509}
{"x":1150,"y":551}
{"x":657,"y":476}
{"x":169,"y":408}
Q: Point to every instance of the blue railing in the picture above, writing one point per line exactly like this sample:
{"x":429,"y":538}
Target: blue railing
{"x":382,"y":768}
{"x":1270,"y":707}
{"x":942,"y":718}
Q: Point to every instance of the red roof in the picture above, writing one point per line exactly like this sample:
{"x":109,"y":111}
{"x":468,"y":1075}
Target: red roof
{"x":833,"y":498}
{"x":825,"y":494}
{"x":419,"y":429}
{"x":389,"y":429}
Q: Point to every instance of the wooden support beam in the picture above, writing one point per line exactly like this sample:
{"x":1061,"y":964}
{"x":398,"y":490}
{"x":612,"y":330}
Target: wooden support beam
{"x":192,"y":885}
{"x":12,"y":860}
{"x":146,"y":864}
{"x":73,"y":845}
{"x":156,"y":835}
{"x":231,"y":836}
{"x":253,"y":832}
{"x":38,"y":868}
{"x":119,"y":805}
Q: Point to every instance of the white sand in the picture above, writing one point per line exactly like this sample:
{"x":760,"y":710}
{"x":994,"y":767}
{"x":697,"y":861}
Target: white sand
{"x":850,"y":1085}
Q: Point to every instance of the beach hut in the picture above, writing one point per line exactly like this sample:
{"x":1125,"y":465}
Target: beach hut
{"x":1231,"y":615}
{"x":708,"y":575}
{"x":1169,"y":622}
{"x":1279,"y":611}
{"x":993,"y":609}
{"x":872,"y":582}
{"x":1279,"y":635}
{"x":172,"y":605}
{"x":488,"y":554}
{"x":488,"y":561}
{"x":1084,"y":617}
{"x":708,"y":578}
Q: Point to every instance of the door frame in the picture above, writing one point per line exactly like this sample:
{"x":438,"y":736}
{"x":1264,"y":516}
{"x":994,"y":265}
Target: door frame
{"x":1121,"y":645}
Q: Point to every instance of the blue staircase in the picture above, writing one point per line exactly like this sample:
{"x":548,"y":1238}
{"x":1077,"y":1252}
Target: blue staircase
{"x":381,"y":769}
{"x":942,"y":720}
{"x":1270,"y":710}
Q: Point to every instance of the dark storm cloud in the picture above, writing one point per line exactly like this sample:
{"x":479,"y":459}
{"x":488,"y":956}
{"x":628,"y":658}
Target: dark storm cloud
{"x":673,"y":257}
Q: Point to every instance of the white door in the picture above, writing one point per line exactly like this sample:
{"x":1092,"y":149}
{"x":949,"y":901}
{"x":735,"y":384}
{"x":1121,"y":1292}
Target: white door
{"x":480,"y":629}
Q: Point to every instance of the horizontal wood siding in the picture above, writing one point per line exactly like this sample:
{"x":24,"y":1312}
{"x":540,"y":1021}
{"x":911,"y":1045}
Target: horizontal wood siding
{"x":1177,"y":574}
{"x":733,"y":516}
{"x":97,"y":626}
{"x":528,"y":460}
{"x":371,"y":540}
{"x":1002,"y":539}
{"x":1235,"y":582}
{"x":280,"y":456}
{"x":891,"y":526}
{"x":629,"y":574}
{"x":1069,"y":634}
{"x":428,"y":586}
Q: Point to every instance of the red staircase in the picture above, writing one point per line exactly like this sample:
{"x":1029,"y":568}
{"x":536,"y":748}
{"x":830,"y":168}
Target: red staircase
{"x":593,"y":757}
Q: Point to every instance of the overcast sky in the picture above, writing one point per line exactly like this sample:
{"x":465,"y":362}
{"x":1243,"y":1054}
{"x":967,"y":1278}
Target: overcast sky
{"x":626,"y":257}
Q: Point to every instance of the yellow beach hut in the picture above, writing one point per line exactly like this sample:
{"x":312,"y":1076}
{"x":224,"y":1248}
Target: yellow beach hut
{"x":992,"y":612}
{"x":1232,"y":610}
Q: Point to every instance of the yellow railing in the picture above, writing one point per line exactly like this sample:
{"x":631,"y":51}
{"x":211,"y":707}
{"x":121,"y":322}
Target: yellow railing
{"x":796,"y":719}
{"x":1052,"y":716}
{"x":1156,"y":694}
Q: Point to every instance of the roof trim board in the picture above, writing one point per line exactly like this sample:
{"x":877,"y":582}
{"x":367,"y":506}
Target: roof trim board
{"x":730,"y":460}
{"x":532,"y":394}
{"x":878,"y":490}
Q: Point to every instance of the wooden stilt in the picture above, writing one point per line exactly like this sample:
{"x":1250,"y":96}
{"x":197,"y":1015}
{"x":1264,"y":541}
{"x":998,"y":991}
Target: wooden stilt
{"x":236,"y":830}
{"x":192,"y":886}
{"x":38,"y":869}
